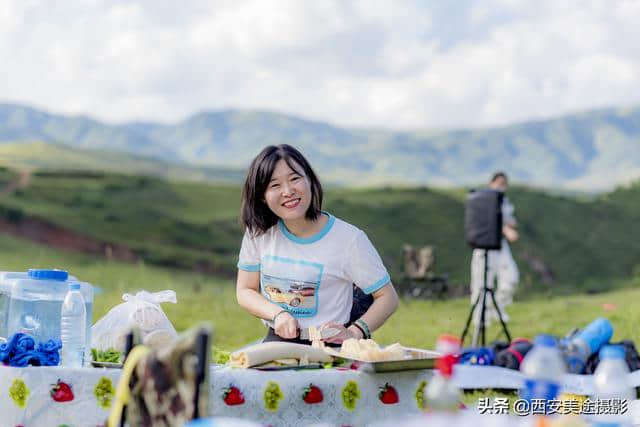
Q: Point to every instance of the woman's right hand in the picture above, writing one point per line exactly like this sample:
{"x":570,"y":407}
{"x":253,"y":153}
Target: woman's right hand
{"x":286,"y":326}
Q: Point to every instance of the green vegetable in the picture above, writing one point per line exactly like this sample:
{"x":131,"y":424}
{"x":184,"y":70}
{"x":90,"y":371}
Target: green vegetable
{"x":109,"y":355}
{"x":220,"y":356}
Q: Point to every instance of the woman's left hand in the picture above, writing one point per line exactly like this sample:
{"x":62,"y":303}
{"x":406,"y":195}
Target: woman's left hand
{"x":344,"y":334}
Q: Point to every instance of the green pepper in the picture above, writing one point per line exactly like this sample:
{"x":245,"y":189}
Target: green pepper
{"x":110,"y":355}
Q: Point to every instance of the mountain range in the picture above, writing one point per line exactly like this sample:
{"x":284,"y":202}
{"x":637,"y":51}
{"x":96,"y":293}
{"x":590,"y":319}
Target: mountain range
{"x":590,"y":151}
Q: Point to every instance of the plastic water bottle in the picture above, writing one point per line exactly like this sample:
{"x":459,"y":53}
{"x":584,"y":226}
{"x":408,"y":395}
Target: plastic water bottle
{"x":612,"y":387}
{"x":543,"y":368}
{"x":441,"y":395}
{"x":5,"y":297}
{"x":73,"y":319}
{"x":585,"y":343}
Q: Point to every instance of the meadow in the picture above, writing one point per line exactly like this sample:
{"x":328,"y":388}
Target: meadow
{"x":416,"y":323}
{"x":577,"y":253}
{"x":568,"y":243}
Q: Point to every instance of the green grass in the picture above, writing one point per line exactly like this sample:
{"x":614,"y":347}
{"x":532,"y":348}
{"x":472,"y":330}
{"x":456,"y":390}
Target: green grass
{"x":200,"y":298}
{"x":43,"y":155}
{"x":173,"y":224}
{"x":585,"y":245}
{"x":416,"y":323}
{"x":6,"y":176}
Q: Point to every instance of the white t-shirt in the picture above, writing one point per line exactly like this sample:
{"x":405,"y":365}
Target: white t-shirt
{"x":508,"y":216}
{"x":312,"y":277}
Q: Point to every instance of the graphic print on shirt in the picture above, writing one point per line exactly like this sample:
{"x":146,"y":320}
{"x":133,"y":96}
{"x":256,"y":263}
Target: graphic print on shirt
{"x":291,"y":283}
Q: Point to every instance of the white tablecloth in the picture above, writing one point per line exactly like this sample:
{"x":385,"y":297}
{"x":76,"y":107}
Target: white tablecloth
{"x":292,"y":410}
{"x":26,"y":394}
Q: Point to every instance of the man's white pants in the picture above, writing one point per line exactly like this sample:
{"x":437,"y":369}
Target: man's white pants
{"x":501,"y":267}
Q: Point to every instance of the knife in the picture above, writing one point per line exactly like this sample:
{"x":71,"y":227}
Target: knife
{"x":324,"y":333}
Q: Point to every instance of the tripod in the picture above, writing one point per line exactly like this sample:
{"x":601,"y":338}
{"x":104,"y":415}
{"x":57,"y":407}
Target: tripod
{"x":480,"y":330}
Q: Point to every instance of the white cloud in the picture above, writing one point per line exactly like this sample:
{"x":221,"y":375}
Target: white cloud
{"x":408,"y":64}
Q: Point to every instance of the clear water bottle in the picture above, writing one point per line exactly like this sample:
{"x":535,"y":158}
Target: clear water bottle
{"x":543,"y":368}
{"x":73,"y":320}
{"x":612,"y":388}
{"x":5,"y":297}
{"x":586,"y":342}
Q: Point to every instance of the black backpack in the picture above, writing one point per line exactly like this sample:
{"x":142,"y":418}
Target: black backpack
{"x":361,"y":303}
{"x":630,"y":352}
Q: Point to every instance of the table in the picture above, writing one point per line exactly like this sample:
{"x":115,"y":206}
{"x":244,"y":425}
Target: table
{"x":54,"y":396}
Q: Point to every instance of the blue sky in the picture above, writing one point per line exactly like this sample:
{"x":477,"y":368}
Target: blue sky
{"x":383,"y":64}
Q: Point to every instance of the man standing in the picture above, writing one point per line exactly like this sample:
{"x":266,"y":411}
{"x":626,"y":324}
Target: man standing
{"x":501,"y":266}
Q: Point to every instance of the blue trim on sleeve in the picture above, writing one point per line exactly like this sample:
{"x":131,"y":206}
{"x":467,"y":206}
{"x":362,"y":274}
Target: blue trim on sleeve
{"x":307,"y":240}
{"x":249,"y":267}
{"x":379,"y":284}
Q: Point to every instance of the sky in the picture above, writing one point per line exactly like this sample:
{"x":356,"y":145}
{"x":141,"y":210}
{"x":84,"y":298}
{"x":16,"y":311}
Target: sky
{"x":376,"y":64}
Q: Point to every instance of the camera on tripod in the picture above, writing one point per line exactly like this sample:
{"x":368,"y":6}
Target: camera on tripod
{"x":483,"y":230}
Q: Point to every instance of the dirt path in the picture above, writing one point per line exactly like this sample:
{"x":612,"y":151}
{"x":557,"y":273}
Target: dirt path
{"x":40,"y":231}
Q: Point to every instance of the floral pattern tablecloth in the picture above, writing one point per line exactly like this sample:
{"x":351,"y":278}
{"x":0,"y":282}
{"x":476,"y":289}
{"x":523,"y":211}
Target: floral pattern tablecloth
{"x":55,"y":396}
{"x":340,"y":396}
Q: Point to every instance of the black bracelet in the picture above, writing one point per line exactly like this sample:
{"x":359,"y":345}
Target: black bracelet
{"x":361,"y":330}
{"x":364,"y":327}
{"x":278,"y":314}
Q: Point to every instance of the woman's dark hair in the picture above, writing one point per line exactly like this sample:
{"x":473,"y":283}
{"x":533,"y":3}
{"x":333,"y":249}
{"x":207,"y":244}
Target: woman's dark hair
{"x":255,"y":214}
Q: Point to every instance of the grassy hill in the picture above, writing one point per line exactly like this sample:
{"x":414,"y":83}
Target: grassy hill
{"x":43,"y":156}
{"x":172,"y":224}
{"x":567,"y":243}
{"x":594,"y":150}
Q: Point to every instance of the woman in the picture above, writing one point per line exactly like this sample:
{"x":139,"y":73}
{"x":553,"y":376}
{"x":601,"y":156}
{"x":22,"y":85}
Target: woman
{"x":297,"y":263}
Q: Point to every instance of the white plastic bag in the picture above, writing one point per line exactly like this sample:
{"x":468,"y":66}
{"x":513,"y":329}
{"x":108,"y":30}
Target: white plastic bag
{"x":141,"y":311}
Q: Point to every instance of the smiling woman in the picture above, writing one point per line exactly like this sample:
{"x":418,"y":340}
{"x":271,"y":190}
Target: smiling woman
{"x":298,"y":263}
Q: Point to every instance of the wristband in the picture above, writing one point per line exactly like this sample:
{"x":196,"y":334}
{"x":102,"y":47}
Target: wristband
{"x":364,"y":335}
{"x":278,"y":314}
{"x":365,"y":328}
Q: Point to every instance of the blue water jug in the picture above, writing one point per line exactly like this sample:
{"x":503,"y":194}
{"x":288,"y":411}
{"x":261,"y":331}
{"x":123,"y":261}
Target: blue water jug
{"x":36,"y":302}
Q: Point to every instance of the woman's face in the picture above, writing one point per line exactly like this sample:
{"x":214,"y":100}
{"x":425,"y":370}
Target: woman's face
{"x":288,"y":193}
